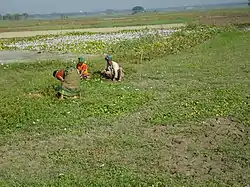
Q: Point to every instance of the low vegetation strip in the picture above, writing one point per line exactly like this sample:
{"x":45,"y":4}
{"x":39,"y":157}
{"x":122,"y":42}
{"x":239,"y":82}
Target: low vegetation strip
{"x":105,"y":30}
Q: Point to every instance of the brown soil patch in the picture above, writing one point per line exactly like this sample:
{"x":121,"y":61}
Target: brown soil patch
{"x":213,"y":149}
{"x":226,"y":19}
{"x":35,"y":95}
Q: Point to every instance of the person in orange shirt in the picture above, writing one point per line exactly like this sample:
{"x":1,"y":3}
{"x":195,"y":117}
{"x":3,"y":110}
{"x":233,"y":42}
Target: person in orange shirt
{"x":83,"y":68}
{"x":70,"y":82}
{"x":59,"y":74}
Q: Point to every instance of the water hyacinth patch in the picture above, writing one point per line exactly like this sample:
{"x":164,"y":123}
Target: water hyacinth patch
{"x":132,"y":45}
{"x":152,"y":46}
{"x":87,"y":43}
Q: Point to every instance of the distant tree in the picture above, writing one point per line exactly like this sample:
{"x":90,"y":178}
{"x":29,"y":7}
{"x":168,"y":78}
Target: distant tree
{"x":109,"y":11}
{"x":25,"y":15}
{"x":63,"y":17}
{"x":248,"y":2}
{"x":1,"y":17}
{"x":16,"y":17}
{"x":137,"y":9}
{"x":8,"y":17}
{"x":4,"y":17}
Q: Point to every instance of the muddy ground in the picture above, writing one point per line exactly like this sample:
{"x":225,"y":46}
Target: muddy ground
{"x":9,"y":56}
{"x":223,"y":20}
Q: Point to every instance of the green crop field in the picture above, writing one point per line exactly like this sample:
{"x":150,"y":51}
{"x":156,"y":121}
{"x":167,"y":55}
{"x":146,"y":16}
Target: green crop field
{"x":220,"y":16}
{"x":181,"y":117}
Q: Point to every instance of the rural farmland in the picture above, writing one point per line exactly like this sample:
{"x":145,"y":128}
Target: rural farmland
{"x":181,"y":117}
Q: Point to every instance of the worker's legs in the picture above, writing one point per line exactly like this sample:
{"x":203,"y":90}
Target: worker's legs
{"x":59,"y":95}
{"x":120,"y":74}
{"x":85,"y":77}
{"x":88,"y":77}
{"x":65,"y":92}
{"x":108,"y":74}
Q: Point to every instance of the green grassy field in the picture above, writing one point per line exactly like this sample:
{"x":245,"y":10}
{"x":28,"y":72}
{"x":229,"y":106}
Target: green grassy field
{"x":177,"y":120}
{"x":221,"y":16}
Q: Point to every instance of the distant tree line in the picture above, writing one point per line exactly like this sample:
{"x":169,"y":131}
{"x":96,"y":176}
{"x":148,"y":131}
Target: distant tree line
{"x":22,"y":16}
{"x":63,"y":17}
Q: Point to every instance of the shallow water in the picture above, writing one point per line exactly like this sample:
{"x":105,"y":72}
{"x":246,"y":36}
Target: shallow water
{"x":26,"y":56}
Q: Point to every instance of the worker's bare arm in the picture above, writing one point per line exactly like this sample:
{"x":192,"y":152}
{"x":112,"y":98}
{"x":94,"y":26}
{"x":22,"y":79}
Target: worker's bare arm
{"x":61,"y":79}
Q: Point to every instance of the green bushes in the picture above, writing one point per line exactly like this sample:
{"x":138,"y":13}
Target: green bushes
{"x":148,"y":47}
{"x":132,"y":46}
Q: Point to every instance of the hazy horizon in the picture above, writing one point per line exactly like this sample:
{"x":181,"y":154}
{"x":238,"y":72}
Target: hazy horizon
{"x":49,"y":6}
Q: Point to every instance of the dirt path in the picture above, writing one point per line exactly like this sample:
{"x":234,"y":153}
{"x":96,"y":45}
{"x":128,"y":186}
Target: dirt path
{"x":27,"y":56}
{"x":110,"y":29}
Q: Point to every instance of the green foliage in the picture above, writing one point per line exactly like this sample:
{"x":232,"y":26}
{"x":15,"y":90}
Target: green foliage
{"x":99,"y":99}
{"x":153,"y":129}
{"x":23,"y":16}
{"x":150,"y":47}
{"x":147,"y":47}
{"x":137,"y":9}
